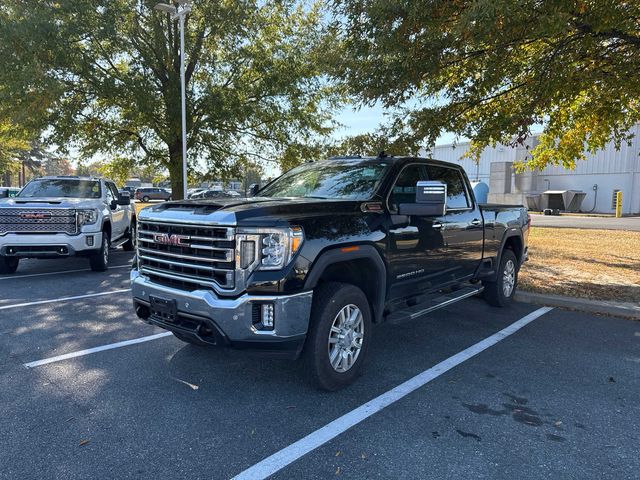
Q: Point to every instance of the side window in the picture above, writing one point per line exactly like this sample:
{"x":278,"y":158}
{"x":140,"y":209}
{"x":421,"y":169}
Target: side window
{"x":404,"y":190}
{"x":456,"y":191}
{"x":109,"y":193}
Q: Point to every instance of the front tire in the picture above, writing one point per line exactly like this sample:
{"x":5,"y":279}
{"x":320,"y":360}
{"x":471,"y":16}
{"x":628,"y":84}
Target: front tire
{"x":8,"y":264}
{"x":99,"y":261}
{"x":145,"y":199}
{"x":130,"y":244}
{"x":339,"y":335}
{"x":500,"y":292}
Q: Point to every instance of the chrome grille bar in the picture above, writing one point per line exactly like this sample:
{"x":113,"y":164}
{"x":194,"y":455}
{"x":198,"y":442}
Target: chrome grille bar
{"x":30,"y":220}
{"x":184,"y":255}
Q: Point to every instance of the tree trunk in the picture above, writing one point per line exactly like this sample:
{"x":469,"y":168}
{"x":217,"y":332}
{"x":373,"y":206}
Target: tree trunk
{"x":175,"y":169}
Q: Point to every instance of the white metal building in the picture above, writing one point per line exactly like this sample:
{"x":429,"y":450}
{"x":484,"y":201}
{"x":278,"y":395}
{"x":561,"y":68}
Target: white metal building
{"x":599,"y":176}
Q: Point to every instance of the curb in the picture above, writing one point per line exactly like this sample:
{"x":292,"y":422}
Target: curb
{"x":625,"y":310}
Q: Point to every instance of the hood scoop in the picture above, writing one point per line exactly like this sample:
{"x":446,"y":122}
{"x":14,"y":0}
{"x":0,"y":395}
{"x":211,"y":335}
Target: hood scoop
{"x":41,"y":202}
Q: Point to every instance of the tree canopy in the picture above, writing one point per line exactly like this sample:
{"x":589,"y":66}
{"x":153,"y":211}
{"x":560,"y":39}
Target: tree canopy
{"x":493,"y":70}
{"x":103,"y":77}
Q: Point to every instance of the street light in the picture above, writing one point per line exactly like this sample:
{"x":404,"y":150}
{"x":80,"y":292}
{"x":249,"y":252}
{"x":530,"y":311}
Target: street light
{"x":179,"y":13}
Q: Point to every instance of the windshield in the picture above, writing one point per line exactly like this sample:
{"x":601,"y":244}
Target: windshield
{"x":346,"y":180}
{"x":56,"y":187}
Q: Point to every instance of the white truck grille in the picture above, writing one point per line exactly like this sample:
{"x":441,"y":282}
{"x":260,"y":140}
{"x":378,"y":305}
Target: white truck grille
{"x":23,"y":220}
{"x":187,"y":256}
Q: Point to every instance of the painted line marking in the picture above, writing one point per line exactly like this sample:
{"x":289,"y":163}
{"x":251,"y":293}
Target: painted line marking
{"x":293,"y":452}
{"x":14,"y":277}
{"x":63,"y":299}
{"x":89,"y":351}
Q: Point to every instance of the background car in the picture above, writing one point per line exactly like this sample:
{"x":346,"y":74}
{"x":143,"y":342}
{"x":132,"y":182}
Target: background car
{"x":145,"y":194}
{"x":213,"y":194}
{"x":8,"y":191}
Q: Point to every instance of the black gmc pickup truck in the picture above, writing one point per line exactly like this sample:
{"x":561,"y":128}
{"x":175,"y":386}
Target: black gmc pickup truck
{"x":305,"y":267}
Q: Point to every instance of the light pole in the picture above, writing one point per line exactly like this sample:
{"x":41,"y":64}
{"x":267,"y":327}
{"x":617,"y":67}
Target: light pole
{"x":179,"y":13}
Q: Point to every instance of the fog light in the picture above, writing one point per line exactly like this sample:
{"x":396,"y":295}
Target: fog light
{"x":90,"y":241}
{"x":267,"y":316}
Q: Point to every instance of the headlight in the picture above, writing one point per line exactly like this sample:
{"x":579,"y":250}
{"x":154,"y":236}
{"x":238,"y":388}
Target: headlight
{"x":87,"y":217}
{"x":276,"y":247}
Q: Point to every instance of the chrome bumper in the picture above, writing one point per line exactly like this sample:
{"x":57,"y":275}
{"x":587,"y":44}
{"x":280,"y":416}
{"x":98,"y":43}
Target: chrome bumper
{"x":74,"y":244}
{"x":232,"y":316}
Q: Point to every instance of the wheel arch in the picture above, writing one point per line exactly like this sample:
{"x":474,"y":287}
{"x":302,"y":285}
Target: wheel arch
{"x":359,"y":265}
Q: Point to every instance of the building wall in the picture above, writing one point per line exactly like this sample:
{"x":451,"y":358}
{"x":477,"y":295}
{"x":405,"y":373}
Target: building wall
{"x":608,"y":168}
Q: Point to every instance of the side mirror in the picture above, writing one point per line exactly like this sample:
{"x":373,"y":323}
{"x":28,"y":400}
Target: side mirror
{"x":431,"y":200}
{"x":124,"y":198}
{"x":255,"y":188}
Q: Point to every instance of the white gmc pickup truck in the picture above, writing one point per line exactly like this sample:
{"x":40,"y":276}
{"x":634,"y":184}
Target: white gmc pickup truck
{"x":56,"y":217}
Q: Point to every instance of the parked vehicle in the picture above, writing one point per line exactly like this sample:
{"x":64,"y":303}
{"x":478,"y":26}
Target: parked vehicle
{"x":58,"y":217}
{"x":211,"y":194}
{"x":193,"y":191}
{"x":130,"y":190}
{"x":145,"y":194}
{"x":322,"y":253}
{"x":8,"y":191}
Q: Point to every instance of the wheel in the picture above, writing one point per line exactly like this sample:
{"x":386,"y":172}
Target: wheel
{"x":100,"y":260}
{"x":500,"y":292}
{"x":145,"y":199}
{"x":130,"y":244}
{"x":188,"y":339}
{"x":8,"y":264}
{"x":339,"y":335}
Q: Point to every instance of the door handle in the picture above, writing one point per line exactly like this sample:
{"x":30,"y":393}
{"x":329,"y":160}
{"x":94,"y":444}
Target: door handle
{"x":437,"y":225}
{"x":475,"y":222}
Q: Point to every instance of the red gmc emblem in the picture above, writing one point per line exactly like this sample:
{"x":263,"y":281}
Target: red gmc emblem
{"x":35,"y":216}
{"x":166,"y":239}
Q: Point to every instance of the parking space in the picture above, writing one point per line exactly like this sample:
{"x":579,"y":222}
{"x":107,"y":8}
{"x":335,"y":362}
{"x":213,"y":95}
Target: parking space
{"x":558,"y":398}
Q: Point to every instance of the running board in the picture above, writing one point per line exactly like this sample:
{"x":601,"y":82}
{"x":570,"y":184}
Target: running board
{"x":119,"y":242}
{"x":442,"y":301}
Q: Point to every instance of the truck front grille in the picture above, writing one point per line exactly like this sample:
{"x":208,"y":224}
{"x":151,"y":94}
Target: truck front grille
{"x":23,"y":220}
{"x":187,"y":257}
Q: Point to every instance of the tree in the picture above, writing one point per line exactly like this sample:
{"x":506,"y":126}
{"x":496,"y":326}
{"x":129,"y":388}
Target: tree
{"x":104,"y":76}
{"x":491,"y":70}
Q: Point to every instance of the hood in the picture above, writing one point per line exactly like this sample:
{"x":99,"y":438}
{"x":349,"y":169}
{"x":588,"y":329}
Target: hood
{"x":253,"y":211}
{"x":47,"y":202}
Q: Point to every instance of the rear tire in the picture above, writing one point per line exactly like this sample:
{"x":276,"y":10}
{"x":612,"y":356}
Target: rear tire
{"x":145,"y":199}
{"x":500,"y":292}
{"x":8,"y":264}
{"x":187,"y":339}
{"x":99,"y":261}
{"x":130,"y":244}
{"x":339,"y":335}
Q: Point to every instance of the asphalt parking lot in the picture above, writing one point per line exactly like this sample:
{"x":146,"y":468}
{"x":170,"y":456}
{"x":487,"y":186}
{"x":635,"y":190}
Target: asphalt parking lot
{"x":557,"y":398}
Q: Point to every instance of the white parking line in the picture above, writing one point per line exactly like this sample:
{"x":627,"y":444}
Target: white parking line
{"x":63,"y":299}
{"x":293,"y":452}
{"x":89,"y":351}
{"x":13,"y":277}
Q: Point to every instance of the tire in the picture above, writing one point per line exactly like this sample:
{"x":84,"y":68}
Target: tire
{"x":187,"y":339}
{"x":145,"y":199}
{"x":130,"y":244}
{"x":500,"y":292}
{"x":334,"y":306}
{"x":8,"y":264}
{"x":99,"y":261}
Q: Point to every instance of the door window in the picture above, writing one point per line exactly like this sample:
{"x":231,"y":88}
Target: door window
{"x":457,"y":197}
{"x":404,"y":190}
{"x":109,"y":193}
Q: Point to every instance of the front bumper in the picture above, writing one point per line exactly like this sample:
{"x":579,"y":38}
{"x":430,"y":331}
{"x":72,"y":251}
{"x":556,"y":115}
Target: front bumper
{"x":48,"y":245}
{"x":227,"y":321}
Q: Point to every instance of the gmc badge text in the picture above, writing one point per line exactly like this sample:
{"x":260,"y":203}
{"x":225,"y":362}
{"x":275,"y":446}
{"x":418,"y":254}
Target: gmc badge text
{"x":320,"y":254}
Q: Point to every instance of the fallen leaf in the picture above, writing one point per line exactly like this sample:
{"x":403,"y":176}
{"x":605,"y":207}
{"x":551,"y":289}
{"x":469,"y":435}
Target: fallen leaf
{"x":70,"y":418}
{"x":83,"y":442}
{"x":338,"y":471}
{"x":363,"y":456}
{"x":290,"y":407}
{"x":338,"y":453}
{"x":558,"y":423}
